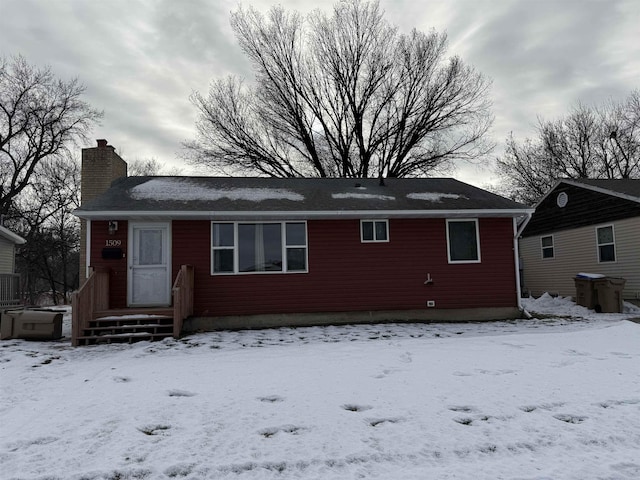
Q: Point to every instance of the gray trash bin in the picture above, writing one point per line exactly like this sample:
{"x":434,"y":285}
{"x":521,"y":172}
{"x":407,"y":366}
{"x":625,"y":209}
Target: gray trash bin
{"x":586,"y":294}
{"x":609,"y":294}
{"x":31,"y":324}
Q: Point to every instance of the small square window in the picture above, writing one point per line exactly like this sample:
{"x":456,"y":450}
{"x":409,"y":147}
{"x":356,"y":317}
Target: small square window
{"x":374,"y":230}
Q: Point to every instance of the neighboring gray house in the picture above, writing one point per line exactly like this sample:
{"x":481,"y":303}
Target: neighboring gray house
{"x":590,"y":226}
{"x":9,"y":280}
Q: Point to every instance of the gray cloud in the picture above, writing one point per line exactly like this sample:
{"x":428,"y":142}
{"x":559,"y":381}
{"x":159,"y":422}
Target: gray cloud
{"x":140,"y":60}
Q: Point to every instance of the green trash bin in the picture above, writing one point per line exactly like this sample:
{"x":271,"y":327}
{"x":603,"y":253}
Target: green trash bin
{"x":609,"y":294}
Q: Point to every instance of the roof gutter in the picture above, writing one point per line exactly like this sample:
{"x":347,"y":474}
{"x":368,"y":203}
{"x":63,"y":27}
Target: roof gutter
{"x":292,"y":214}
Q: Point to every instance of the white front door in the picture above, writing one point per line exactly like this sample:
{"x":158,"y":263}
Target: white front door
{"x":149,"y":265}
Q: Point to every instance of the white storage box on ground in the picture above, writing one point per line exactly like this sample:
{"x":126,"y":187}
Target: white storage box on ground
{"x":31,"y":324}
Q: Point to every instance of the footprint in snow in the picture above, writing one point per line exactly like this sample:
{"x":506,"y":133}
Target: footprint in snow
{"x":351,"y":407}
{"x":152,"y":430}
{"x":568,"y":418}
{"x":375,"y":422}
{"x":180,"y":393}
{"x":271,"y":431}
{"x":271,"y":399}
{"x":406,"y":357}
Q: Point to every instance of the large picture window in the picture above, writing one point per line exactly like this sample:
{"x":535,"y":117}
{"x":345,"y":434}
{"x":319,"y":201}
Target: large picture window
{"x":606,"y":244}
{"x":258,"y":247}
{"x":463,"y":243}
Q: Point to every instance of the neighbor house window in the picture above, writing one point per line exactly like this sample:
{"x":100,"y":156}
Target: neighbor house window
{"x":374,"y":230}
{"x":463,"y":241}
{"x":606,"y":244}
{"x":259,"y":247}
{"x":547,"y":246}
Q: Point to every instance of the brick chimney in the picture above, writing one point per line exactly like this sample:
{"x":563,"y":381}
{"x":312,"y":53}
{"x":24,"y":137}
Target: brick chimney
{"x":101,"y":165}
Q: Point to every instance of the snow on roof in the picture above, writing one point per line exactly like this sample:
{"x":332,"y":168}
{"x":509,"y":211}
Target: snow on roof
{"x":174,"y":189}
{"x":362,"y":196}
{"x":433,"y":197}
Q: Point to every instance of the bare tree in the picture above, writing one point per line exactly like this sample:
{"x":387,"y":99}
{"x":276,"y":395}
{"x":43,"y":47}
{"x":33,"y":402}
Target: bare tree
{"x":526,"y":172}
{"x":589,"y":142}
{"x":149,"y":167}
{"x":621,"y":124}
{"x":341,"y":95}
{"x":42,"y":214}
{"x":40,"y":118}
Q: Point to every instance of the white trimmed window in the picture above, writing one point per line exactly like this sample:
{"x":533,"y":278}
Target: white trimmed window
{"x":463,"y":241}
{"x":606,"y":244}
{"x":547,"y":246}
{"x":374,"y":231}
{"x":244,"y":247}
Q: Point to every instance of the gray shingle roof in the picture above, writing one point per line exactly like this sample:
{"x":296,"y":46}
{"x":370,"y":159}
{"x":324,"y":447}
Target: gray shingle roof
{"x":210,"y":197}
{"x":625,"y":186}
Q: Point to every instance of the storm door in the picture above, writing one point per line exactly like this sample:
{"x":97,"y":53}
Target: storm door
{"x":149,"y":265}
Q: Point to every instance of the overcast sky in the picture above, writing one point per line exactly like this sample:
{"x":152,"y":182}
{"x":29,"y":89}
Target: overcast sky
{"x":141,"y":59}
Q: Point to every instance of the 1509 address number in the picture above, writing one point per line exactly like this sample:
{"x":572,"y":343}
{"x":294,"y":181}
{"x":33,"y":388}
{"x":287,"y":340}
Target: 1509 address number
{"x":113,"y":243}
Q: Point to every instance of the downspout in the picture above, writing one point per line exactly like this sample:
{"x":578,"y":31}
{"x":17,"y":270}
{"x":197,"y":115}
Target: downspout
{"x":88,"y":252}
{"x":516,"y":253}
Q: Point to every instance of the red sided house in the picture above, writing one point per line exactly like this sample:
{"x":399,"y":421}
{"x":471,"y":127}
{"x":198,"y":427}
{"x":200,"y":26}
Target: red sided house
{"x":222,"y":252}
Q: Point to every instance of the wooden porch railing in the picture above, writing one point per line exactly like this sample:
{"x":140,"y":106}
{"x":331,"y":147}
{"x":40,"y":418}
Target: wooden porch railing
{"x":182,"y":292}
{"x":10,"y":290}
{"x":92,"y":296}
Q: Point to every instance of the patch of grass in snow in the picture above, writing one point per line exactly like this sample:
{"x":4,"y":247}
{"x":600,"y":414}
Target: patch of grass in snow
{"x":49,"y":360}
{"x":488,"y":449}
{"x":139,"y":474}
{"x":179,"y":470}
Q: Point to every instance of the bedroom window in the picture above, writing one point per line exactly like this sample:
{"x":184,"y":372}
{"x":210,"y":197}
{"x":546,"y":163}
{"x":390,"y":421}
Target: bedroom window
{"x":463,"y":241}
{"x":223,"y":241}
{"x":606,"y":244}
{"x":258,"y":247}
{"x":374,"y":230}
{"x":547,"y":246}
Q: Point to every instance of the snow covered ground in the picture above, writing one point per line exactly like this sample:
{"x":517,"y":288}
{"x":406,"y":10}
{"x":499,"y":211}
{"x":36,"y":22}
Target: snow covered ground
{"x":553,"y":397}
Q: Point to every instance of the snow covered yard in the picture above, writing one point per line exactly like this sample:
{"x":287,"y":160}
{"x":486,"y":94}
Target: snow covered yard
{"x":554,"y":397}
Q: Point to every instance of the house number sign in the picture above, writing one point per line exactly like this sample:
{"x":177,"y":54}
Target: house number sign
{"x":113,"y":243}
